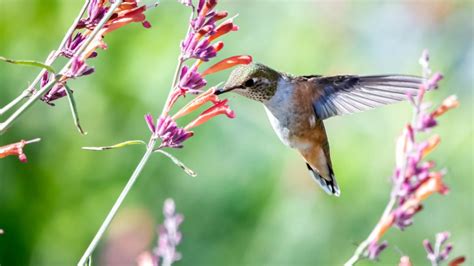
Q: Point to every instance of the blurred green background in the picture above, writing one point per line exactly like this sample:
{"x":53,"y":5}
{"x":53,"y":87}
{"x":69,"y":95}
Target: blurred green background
{"x":253,"y":202}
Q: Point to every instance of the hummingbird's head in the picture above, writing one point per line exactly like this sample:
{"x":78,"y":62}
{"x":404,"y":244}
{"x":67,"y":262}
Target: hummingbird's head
{"x":254,"y":81}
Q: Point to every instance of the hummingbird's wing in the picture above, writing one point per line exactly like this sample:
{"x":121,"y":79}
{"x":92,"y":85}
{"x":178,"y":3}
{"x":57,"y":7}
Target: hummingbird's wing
{"x":339,"y":95}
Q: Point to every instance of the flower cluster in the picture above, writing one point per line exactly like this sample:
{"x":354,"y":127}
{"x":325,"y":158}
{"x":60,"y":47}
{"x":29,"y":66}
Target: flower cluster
{"x":415,"y":178}
{"x":440,"y":251}
{"x":203,"y":30}
{"x":169,"y":238}
{"x":197,"y":45}
{"x":16,"y":149}
{"x":127,"y":12}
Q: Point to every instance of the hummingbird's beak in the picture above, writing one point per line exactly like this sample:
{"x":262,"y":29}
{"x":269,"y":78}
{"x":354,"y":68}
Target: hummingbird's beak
{"x":225,"y":89}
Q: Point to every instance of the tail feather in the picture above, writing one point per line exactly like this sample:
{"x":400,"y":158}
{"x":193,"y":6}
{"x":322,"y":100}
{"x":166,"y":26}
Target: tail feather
{"x":329,"y":186}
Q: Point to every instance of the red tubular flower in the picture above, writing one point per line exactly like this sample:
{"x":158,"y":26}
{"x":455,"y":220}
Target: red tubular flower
{"x":126,"y":13}
{"x":197,"y":102}
{"x":224,"y":28}
{"x":219,"y":108}
{"x":228,"y":63}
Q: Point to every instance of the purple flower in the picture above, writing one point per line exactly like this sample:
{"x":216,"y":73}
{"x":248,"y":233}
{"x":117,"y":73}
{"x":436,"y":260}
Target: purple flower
{"x":404,"y":217}
{"x":191,"y":80}
{"x":79,"y":68}
{"x":44,"y":79}
{"x":95,"y":12}
{"x":440,"y":251}
{"x":168,"y":131}
{"x":72,"y":44}
{"x":197,"y":43}
{"x":432,"y":83}
{"x":56,"y":92}
{"x":374,"y":250}
{"x":169,"y":235}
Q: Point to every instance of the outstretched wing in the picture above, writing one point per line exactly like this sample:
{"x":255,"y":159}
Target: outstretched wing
{"x":339,"y":95}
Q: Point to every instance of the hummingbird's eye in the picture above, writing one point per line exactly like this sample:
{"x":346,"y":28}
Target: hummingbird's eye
{"x":249,"y":82}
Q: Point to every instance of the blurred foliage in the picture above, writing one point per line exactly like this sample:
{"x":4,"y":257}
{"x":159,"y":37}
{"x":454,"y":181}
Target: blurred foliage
{"x":253,"y":203}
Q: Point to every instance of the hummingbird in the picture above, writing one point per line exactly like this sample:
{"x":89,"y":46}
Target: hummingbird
{"x":297,"y":106}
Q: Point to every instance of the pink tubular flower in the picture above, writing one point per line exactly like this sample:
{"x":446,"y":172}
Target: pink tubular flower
{"x":218,"y":108}
{"x":200,"y":100}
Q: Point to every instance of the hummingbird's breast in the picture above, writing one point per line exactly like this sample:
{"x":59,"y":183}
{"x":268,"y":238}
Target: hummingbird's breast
{"x":291,"y":114}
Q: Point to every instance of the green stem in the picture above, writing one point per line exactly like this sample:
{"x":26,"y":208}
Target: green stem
{"x":49,"y":61}
{"x":131,"y":181}
{"x":5,"y":125}
{"x":118,"y":203}
{"x":36,"y":96}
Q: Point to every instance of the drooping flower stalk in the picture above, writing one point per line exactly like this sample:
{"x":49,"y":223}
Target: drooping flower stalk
{"x":414,"y":178}
{"x":188,"y":80}
{"x":79,"y":44}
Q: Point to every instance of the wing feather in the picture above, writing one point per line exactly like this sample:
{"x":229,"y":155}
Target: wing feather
{"x":340,"y":95}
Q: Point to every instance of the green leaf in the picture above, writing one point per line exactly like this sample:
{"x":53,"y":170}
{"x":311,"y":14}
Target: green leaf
{"x":29,"y":63}
{"x":72,"y":105}
{"x":178,"y":163}
{"x":116,"y":146}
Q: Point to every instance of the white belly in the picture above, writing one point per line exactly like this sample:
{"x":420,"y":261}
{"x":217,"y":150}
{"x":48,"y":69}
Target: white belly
{"x":279,"y":109}
{"x":281,"y":130}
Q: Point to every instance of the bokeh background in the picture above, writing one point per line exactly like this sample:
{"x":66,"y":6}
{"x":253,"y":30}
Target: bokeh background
{"x":253,"y":202}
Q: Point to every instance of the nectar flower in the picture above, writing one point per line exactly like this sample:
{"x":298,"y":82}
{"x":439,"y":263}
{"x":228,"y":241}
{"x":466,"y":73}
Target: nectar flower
{"x":200,"y":100}
{"x":228,"y":63}
{"x":218,"y":108}
{"x":168,"y":131}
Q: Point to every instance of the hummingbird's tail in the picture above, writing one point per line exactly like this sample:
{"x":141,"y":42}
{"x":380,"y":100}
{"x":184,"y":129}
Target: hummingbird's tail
{"x":329,"y":185}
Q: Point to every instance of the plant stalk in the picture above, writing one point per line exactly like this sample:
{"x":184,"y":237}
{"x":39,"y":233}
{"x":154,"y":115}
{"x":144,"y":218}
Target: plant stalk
{"x":35,"y":96}
{"x":49,"y":61}
{"x":118,"y":203}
